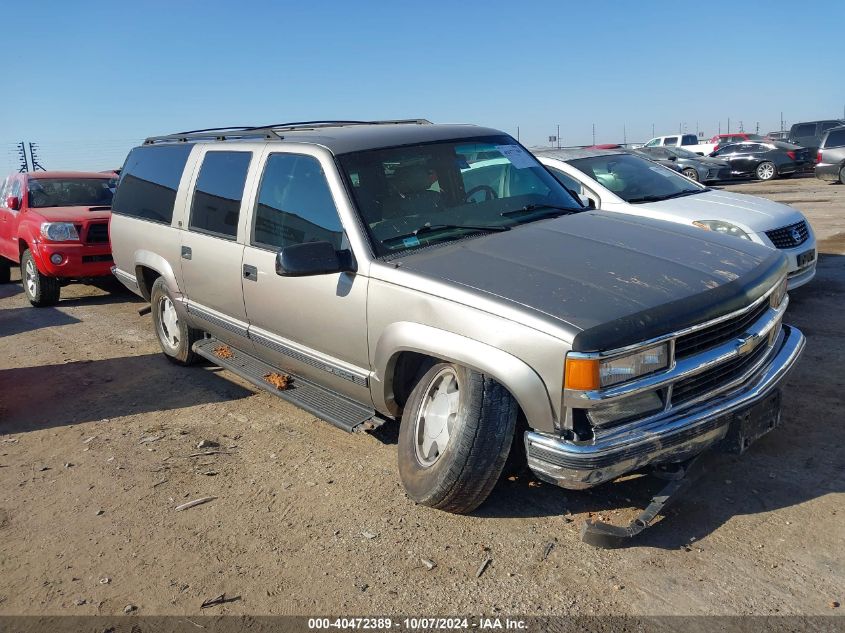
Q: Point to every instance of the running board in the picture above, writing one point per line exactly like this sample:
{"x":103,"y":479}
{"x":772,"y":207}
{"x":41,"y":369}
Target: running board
{"x":323,"y":403}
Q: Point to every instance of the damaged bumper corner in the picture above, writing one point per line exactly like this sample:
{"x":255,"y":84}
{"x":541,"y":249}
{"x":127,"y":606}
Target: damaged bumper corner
{"x":674,"y":439}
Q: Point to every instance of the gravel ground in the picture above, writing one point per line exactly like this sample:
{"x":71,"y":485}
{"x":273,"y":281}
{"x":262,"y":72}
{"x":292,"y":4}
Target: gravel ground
{"x":98,"y":446}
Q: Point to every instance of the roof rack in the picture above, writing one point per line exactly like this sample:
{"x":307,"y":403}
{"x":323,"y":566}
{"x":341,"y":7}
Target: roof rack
{"x":266,"y":131}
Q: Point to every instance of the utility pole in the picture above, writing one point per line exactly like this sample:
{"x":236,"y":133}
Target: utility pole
{"x":624,"y":135}
{"x":22,"y":156}
{"x":517,"y":133}
{"x":781,"y":122}
{"x":757,"y":128}
{"x":558,"y":135}
{"x":652,"y":130}
{"x":594,"y":133}
{"x":729,"y":125}
{"x":36,"y":165}
{"x":720,"y":127}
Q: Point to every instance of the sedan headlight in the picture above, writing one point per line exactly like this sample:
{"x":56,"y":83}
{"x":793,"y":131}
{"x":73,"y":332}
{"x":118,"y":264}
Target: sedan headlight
{"x":59,"y":232}
{"x":721,"y":227}
{"x":593,"y":373}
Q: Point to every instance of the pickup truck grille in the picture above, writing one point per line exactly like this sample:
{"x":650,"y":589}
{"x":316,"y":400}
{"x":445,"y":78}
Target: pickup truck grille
{"x":702,"y":340}
{"x":711,"y":379}
{"x":789,"y":236}
{"x":98,"y":233}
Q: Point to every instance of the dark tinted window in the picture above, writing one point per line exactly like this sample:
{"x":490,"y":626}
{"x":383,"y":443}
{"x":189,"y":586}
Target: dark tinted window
{"x":826,"y":125}
{"x":670,"y":140}
{"x":295,"y":204}
{"x":689,"y":139}
{"x":836,"y":138}
{"x":217,"y":197}
{"x":149,"y":180}
{"x":70,"y":192}
{"x":803,"y":129}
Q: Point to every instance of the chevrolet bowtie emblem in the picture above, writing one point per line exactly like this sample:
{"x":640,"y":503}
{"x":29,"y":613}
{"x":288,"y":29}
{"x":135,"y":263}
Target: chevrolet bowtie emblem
{"x":747,"y":343}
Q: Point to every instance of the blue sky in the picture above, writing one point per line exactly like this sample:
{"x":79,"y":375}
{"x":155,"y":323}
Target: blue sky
{"x":86,"y":81}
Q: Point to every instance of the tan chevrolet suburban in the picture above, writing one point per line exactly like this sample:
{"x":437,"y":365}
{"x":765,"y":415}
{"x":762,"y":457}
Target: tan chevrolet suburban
{"x":439,"y":276}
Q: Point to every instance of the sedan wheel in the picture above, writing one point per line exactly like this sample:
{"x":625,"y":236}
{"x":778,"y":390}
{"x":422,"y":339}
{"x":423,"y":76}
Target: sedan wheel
{"x":842,"y":176}
{"x":766,"y":171}
{"x":690,"y":173}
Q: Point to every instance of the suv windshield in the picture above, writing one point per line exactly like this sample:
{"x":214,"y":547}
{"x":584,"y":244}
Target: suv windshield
{"x":70,"y":192}
{"x":636,"y":179}
{"x":417,"y":195}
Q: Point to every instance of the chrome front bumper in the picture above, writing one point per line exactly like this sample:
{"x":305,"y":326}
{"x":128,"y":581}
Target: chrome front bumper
{"x":672,"y":439}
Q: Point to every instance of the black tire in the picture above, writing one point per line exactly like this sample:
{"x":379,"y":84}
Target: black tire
{"x":184,"y":337}
{"x":842,"y":175}
{"x":766,"y":171}
{"x":690,"y":173}
{"x":480,"y":436}
{"x":41,"y":290}
{"x":5,"y":270}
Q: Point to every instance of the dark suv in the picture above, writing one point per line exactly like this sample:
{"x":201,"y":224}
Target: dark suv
{"x":831,"y":159}
{"x":809,"y":134}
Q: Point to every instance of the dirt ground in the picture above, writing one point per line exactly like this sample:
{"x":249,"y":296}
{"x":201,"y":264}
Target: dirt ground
{"x":98,"y":445}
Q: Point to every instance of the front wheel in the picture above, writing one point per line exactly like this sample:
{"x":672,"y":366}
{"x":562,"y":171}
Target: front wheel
{"x":766,"y":171}
{"x":842,"y":175}
{"x":174,"y":336}
{"x":455,"y":436}
{"x":690,"y":173}
{"x":41,"y":290}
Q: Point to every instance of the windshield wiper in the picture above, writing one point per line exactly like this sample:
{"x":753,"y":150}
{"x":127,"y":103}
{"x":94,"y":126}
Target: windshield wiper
{"x":554,"y":210}
{"x":428,"y":228}
{"x":680,"y":194}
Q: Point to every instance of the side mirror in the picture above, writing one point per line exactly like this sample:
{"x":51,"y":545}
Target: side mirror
{"x":13,"y":203}
{"x":312,"y":258}
{"x":586,"y":201}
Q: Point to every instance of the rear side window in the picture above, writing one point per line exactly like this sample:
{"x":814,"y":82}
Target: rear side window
{"x":689,"y":139}
{"x":836,"y":138}
{"x":218,"y":194}
{"x":148,"y":182}
{"x":803,"y":129}
{"x":295,"y":204}
{"x":670,"y":140}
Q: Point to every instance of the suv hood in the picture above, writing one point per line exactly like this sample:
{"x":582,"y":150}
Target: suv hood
{"x":73,"y":214}
{"x":751,"y":212}
{"x":616,"y":279}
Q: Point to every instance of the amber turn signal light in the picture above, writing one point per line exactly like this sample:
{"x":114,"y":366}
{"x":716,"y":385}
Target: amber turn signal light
{"x":581,"y":374}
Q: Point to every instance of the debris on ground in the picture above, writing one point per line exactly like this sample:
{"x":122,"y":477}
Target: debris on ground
{"x":483,"y":567}
{"x":150,"y":439}
{"x":429,"y":564}
{"x":833,"y":604}
{"x":221,"y":599}
{"x":105,"y":580}
{"x":195,"y":502}
{"x":548,"y":549}
{"x":79,"y":602}
{"x":279,"y":381}
{"x":368,"y":535}
{"x":100,"y":513}
{"x":223,"y":351}
{"x":129,"y":608}
{"x":207,"y":444}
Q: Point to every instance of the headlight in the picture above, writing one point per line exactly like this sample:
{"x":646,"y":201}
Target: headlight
{"x":59,"y":231}
{"x":592,"y":373}
{"x":776,"y":298}
{"x":721,"y":227}
{"x":626,"y":409}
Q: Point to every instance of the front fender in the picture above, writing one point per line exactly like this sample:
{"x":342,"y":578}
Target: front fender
{"x":521,"y":380}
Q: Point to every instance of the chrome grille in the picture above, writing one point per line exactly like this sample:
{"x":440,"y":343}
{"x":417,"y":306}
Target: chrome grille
{"x":711,"y":379}
{"x":789,"y":236}
{"x":702,"y":340}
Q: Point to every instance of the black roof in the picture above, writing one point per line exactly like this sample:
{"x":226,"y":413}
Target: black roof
{"x":340,"y":137}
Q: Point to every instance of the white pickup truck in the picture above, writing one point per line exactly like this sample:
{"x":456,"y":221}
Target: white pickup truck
{"x":687,"y":141}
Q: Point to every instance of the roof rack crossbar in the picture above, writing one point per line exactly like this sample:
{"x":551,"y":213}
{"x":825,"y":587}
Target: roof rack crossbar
{"x":266,"y":131}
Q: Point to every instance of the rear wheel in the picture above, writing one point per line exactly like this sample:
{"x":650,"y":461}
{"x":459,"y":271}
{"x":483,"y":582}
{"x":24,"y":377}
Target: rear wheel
{"x":842,"y":175}
{"x":5,"y":270}
{"x":174,"y":336}
{"x":766,"y":171}
{"x":690,"y":173}
{"x":455,"y":436}
{"x":41,"y":290}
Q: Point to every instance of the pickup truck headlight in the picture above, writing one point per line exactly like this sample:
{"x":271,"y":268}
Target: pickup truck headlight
{"x":721,"y":227}
{"x":593,"y":373}
{"x":779,"y":293}
{"x":59,"y":231}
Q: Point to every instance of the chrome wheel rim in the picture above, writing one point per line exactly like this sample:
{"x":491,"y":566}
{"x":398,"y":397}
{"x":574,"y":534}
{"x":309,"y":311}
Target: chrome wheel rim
{"x":691,"y":174}
{"x":765,"y":171}
{"x":31,"y":283}
{"x":168,"y":321}
{"x":435,"y":421}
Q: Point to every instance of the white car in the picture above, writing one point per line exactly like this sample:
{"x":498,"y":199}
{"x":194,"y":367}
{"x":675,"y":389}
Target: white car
{"x":689,"y":142}
{"x":621,"y":182}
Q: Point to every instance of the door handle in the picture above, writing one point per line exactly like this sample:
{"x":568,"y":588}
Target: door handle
{"x":250,"y":272}
{"x":186,"y":252}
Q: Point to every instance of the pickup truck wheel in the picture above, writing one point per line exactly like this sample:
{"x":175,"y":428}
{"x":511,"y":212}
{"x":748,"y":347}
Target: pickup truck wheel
{"x":174,"y":336}
{"x":41,"y":290}
{"x":766,"y":171}
{"x":5,"y":270}
{"x":455,"y":436}
{"x":690,"y":173}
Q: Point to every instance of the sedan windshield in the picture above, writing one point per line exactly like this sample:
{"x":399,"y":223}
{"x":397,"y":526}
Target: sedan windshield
{"x":636,"y":179}
{"x":70,"y":192}
{"x":414,"y":196}
{"x":683,"y":153}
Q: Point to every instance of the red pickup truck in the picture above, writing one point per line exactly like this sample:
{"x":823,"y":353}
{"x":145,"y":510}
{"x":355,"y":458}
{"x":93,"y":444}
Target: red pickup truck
{"x":55,"y":225}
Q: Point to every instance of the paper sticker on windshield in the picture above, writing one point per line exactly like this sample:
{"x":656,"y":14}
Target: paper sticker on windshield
{"x":410,"y":242}
{"x":518,"y":157}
